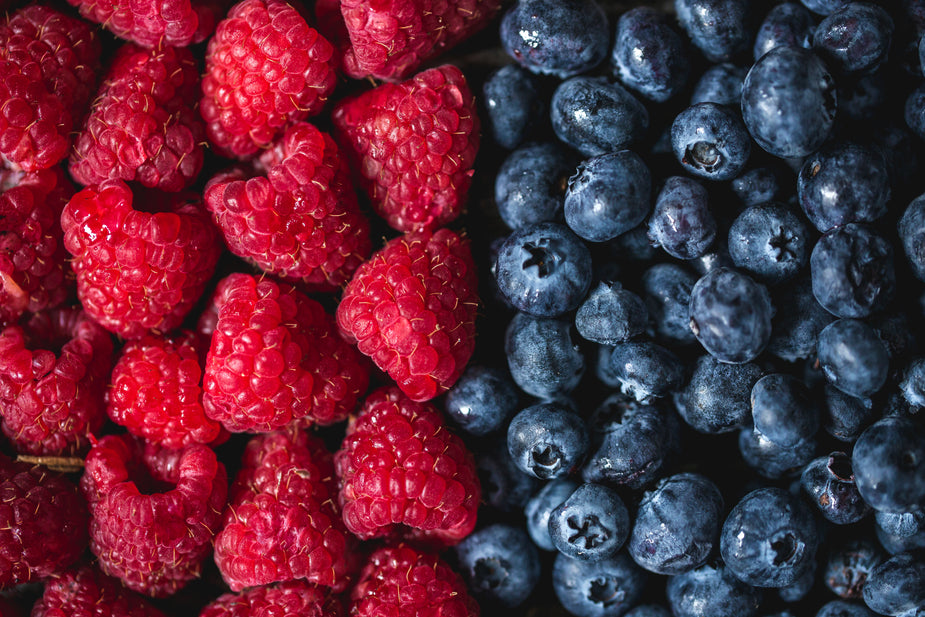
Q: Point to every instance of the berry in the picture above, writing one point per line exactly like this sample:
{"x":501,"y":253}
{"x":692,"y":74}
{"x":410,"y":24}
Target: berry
{"x":543,"y":356}
{"x":783,"y":410}
{"x":770,"y":242}
{"x":773,"y":461}
{"x":720,"y":84}
{"x":505,"y":486}
{"x":912,"y":235}
{"x":888,"y":464}
{"x":417,"y":173}
{"x":717,"y":397}
{"x":829,"y":483}
{"x":848,"y":567}
{"x":646,"y":370}
{"x":289,"y":598}
{"x":591,"y":524}
{"x":897,"y":586}
{"x":710,"y":141}
{"x":547,"y":440}
{"x":611,"y":315}
{"x":794,"y":332}
{"x":785,"y":24}
{"x":757,"y":186}
{"x":530,"y":187}
{"x":152,"y":24}
{"x":512,"y":104}
{"x":597,"y":588}
{"x":712,"y":589}
{"x":649,"y":55}
{"x":853,"y":357}
{"x":682,"y":223}
{"x":540,"y":506}
{"x":86,"y":592}
{"x":482,"y":400}
{"x":855,"y":38}
{"x":841,"y":608}
{"x":718,"y":28}
{"x":499,"y":564}
{"x":668,"y":295}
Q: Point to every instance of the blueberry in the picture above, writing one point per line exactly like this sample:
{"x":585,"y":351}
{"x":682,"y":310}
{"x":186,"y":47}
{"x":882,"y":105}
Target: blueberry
{"x":855,"y":38}
{"x":543,"y":270}
{"x":668,"y":295}
{"x":720,"y":84}
{"x":845,"y":417}
{"x":756,"y":186}
{"x":648,"y":55}
{"x":841,"y":608}
{"x":547,"y":440}
{"x":769,"y":242}
{"x":824,"y":7}
{"x":852,"y":271}
{"x":897,"y":586}
{"x":499,"y":564}
{"x":849,"y":566}
{"x":591,"y":524}
{"x":773,"y":461}
{"x":611,"y":315}
{"x":796,"y":330}
{"x":844,"y":182}
{"x":646,"y":370}
{"x":596,"y":117}
{"x":915,"y":111}
{"x":682,"y":222}
{"x":903,"y":524}
{"x":731,"y":315}
{"x":504,"y":486}
{"x":913,"y":383}
{"x":513,"y":105}
{"x":785,"y":24}
{"x":717,"y":397}
{"x":718,"y":28}
{"x":782,"y":410}
{"x":829,"y":483}
{"x":853,"y":357}
{"x":912,"y":235}
{"x":895,"y":331}
{"x":633,"y":246}
{"x":800,"y":588}
{"x":769,"y":538}
{"x":481,"y":400}
{"x":609,"y":195}
{"x":542,"y":357}
{"x":530,"y":185}
{"x":711,"y":590}
{"x":889,"y":465}
{"x":716,"y":257}
{"x":606,"y":588}
{"x":710,"y":141}
{"x":677,"y":524}
{"x":788,"y":102}
{"x":557,"y":37}
{"x":649,"y":610}
{"x":541,"y":505}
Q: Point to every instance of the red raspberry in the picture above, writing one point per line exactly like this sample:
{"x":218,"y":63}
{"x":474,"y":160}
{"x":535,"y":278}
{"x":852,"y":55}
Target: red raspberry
{"x":87,"y":592}
{"x":150,"y":23}
{"x":290,"y":599}
{"x":282,"y":523}
{"x":138,"y":268}
{"x":266,"y":68}
{"x":276,"y":357}
{"x":34,"y":273}
{"x":411,"y":308}
{"x":48,"y":67}
{"x":402,"y":581}
{"x":301,"y":220}
{"x":155,"y":392}
{"x":142,"y":125}
{"x":150,"y":528}
{"x":400,"y":465}
{"x":43,"y":522}
{"x":53,"y":373}
{"x":413,"y":145}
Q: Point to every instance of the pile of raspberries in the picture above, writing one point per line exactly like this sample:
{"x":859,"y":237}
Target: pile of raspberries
{"x":189,"y":196}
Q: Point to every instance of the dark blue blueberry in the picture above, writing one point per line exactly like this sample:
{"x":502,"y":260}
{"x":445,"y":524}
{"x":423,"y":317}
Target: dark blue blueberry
{"x":912,"y":235}
{"x":720,"y":84}
{"x":608,"y":196}
{"x":895,"y":545}
{"x":731,"y":315}
{"x":852,"y":270}
{"x":547,"y":440}
{"x":596,"y":117}
{"x":682,"y":222}
{"x":800,"y":588}
{"x":841,"y":608}
{"x":649,"y":610}
{"x":845,"y":417}
{"x":499,"y":564}
{"x":913,"y":383}
{"x":541,"y":505}
{"x":824,"y":7}
{"x":903,"y":524}
{"x":785,"y":24}
{"x":648,"y":55}
{"x":772,"y":461}
{"x":716,"y":257}
{"x":591,"y":524}
{"x":829,"y":483}
{"x":849,"y":566}
{"x":677,"y":524}
{"x":633,"y":246}
{"x":855,"y":38}
{"x":530,"y":185}
{"x":769,"y":538}
{"x":481,"y":400}
{"x":844,"y":182}
{"x":894,"y":329}
{"x":542,"y":357}
{"x":717,"y":397}
{"x":796,"y":330}
{"x":668,"y":296}
{"x":718,"y":28}
{"x":915,"y":111}
{"x":646,"y":370}
{"x":889,"y":465}
{"x":604,"y":369}
{"x":557,"y":37}
{"x":710,"y":141}
{"x":863,"y":97}
{"x":543,"y":270}
{"x":504,"y":486}
{"x":711,"y":590}
{"x":513,"y":104}
{"x":782,"y":410}
{"x":606,"y":588}
{"x":769,"y":242}
{"x":611,"y":315}
{"x":756,"y":186}
{"x":788,"y":102}
{"x":853,"y":357}
{"x":897,"y":586}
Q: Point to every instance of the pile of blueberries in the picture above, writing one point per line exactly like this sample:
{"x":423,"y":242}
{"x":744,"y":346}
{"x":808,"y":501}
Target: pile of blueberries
{"x":700,"y":372}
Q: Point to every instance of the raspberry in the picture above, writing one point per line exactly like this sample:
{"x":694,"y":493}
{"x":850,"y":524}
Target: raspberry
{"x":142,"y":126}
{"x":400,"y":465}
{"x":150,"y":23}
{"x":48,"y":67}
{"x":402,"y":581}
{"x":276,"y":357}
{"x":138,"y":269}
{"x":282,"y":523}
{"x":155,"y":392}
{"x":152,"y":517}
{"x":34,"y":274}
{"x":52,"y":401}
{"x":413,"y":145}
{"x":266,"y":68}
{"x":87,"y":592}
{"x":43,"y":522}
{"x":411,"y":308}
{"x":289,"y":598}
{"x":301,"y":220}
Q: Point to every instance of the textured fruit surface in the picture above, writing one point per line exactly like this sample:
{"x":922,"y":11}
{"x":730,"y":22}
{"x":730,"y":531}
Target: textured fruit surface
{"x":138,"y":270}
{"x":413,"y":146}
{"x":53,"y":371}
{"x":87,"y":592}
{"x":276,"y":357}
{"x":265,"y":69}
{"x":150,"y":23}
{"x":400,"y":465}
{"x":299,"y":218}
{"x":290,"y":598}
{"x":411,"y":308}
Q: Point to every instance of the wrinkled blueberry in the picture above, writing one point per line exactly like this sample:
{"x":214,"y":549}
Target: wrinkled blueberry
{"x":772,"y":461}
{"x":611,"y":315}
{"x":849,"y":566}
{"x":646,"y":370}
{"x":542,"y":358}
{"x":717,"y":397}
{"x":711,"y":590}
{"x":897,"y":586}
{"x":782,"y":410}
{"x":718,"y":28}
{"x":912,"y":235}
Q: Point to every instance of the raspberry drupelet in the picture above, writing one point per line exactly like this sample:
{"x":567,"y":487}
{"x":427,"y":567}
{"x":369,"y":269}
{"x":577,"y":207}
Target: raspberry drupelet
{"x":86,"y":592}
{"x":289,"y":598}
{"x":154,"y":22}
